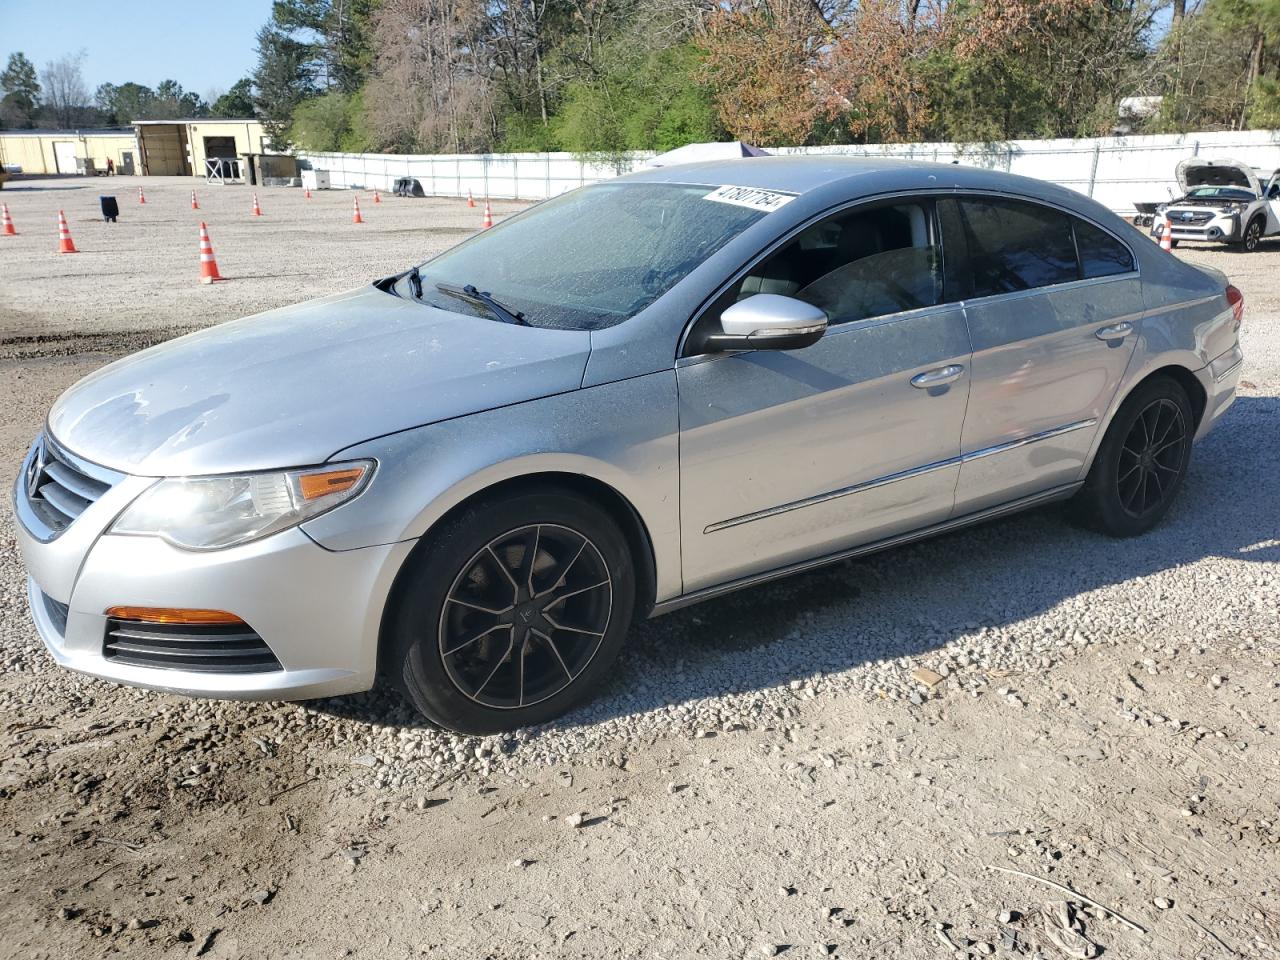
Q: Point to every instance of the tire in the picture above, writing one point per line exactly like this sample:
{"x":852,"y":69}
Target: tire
{"x":1173,"y":244}
{"x":475,"y":648}
{"x":1139,"y":469}
{"x":1252,"y":236}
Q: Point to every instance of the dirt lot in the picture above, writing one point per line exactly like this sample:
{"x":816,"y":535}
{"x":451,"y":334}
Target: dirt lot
{"x":763,"y":778}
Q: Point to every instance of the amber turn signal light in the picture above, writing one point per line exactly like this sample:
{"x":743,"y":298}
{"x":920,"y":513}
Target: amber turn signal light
{"x":316,"y":485}
{"x":172,"y":615}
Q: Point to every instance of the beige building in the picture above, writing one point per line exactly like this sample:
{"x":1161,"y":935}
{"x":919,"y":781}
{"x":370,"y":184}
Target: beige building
{"x":65,"y":151}
{"x":185,"y":147}
{"x":203,"y":147}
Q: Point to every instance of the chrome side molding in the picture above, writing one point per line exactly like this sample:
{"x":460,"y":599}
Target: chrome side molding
{"x":901,"y":475}
{"x":946,"y":526}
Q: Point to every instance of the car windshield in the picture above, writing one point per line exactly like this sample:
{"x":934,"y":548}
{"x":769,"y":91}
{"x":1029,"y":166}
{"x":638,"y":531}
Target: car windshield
{"x":587,"y":259}
{"x":1220,"y":193}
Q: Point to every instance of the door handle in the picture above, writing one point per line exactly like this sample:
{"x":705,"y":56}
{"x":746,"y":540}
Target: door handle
{"x":938,"y":376}
{"x":1117,"y":331}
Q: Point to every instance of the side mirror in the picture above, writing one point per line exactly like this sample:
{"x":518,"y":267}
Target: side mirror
{"x":768,"y":321}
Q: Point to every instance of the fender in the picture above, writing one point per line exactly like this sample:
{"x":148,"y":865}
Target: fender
{"x":628,"y":440}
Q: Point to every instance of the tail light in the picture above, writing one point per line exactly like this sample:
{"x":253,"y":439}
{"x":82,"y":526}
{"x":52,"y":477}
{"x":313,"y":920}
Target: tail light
{"x":1235,"y":300}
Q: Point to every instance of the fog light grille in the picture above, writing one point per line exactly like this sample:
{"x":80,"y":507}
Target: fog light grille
{"x":206,"y":648}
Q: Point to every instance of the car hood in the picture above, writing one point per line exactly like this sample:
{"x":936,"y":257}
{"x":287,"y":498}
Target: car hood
{"x":1198,"y":172}
{"x":293,"y":386}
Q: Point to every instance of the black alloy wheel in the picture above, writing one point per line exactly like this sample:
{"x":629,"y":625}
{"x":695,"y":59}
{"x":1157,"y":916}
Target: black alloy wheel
{"x":512,"y":610}
{"x":525,"y":616}
{"x":1140,"y":463}
{"x":1151,"y":458}
{"x":1253,"y":235}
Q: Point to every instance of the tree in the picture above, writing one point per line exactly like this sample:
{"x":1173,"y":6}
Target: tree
{"x":236,"y":102}
{"x":125,"y":103}
{"x":1227,"y":70}
{"x":761,"y":64}
{"x":282,"y":80}
{"x":330,"y":122}
{"x":174,"y":103}
{"x":65,"y":94}
{"x":333,"y":36}
{"x":430,"y":89}
{"x":19,"y":92}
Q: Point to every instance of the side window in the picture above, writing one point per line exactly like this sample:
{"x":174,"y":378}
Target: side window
{"x":1014,"y":245}
{"x":1101,"y":255}
{"x":858,"y":264}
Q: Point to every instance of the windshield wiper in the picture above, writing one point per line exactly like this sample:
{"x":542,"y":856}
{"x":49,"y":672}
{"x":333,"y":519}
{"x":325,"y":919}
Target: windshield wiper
{"x":415,"y":283}
{"x":469,"y":292}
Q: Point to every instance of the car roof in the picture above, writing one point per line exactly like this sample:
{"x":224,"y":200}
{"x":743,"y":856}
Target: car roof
{"x":853,"y":176}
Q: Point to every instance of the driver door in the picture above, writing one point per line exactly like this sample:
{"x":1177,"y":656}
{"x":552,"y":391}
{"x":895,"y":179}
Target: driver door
{"x":791,"y":455}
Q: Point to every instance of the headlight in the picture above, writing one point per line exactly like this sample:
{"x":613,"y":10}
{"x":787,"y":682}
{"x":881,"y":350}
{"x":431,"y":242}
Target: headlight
{"x":1161,"y":207}
{"x":207,"y":513}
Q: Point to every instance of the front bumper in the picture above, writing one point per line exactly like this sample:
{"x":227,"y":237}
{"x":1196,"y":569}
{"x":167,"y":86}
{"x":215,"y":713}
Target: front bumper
{"x":319,"y":611}
{"x":1219,"y":227}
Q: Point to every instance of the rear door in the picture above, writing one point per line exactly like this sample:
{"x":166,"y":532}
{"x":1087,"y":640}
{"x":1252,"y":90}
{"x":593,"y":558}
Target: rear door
{"x":790,"y":455}
{"x":1053,"y":304}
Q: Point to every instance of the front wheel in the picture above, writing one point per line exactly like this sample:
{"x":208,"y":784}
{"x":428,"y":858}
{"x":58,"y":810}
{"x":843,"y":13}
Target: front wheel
{"x":1252,"y":235}
{"x":513,"y":612}
{"x":1141,"y":463}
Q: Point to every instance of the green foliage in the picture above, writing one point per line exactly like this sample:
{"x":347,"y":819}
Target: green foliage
{"x":236,"y":102}
{"x":19,"y":92}
{"x":281,"y":81}
{"x":331,"y":122}
{"x":646,"y":102}
{"x":128,"y":102}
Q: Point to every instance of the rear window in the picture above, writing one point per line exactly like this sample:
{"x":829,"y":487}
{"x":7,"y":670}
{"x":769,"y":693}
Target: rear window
{"x":1101,"y":255}
{"x":1015,"y":245}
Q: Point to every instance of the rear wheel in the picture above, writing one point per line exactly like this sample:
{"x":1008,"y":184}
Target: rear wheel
{"x":1141,"y":463}
{"x":513,"y":612}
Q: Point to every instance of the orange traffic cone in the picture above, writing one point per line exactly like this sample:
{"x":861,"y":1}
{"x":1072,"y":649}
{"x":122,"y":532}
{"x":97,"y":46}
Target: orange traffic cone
{"x":355,"y":217}
{"x":142,"y":197}
{"x":307,"y":193}
{"x":377,"y":198}
{"x":208,"y":265}
{"x":64,"y":236}
{"x":257,"y":210}
{"x":488,"y":217}
{"x":6,"y":222}
{"x":195,"y":204}
{"x":1166,"y":238}
{"x":471,"y":201}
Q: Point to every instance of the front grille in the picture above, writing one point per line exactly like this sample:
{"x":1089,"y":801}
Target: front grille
{"x":56,"y":612}
{"x":57,"y":491}
{"x":211,"y":648}
{"x":1191,"y":218}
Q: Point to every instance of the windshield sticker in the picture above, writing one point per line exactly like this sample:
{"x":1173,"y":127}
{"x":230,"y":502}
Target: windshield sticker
{"x":766,"y":200}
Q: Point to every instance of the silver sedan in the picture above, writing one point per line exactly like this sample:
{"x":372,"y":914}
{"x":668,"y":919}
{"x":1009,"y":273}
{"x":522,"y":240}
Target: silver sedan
{"x":474,"y":475}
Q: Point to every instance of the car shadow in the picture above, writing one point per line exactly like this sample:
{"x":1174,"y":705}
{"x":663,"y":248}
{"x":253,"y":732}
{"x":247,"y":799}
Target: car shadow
{"x":911,"y":600}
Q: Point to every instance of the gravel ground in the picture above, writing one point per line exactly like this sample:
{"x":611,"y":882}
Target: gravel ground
{"x":764,"y":776}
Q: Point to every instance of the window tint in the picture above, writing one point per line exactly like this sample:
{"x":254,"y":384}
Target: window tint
{"x":1101,"y":255}
{"x":865,"y":263}
{"x":1016,"y":246}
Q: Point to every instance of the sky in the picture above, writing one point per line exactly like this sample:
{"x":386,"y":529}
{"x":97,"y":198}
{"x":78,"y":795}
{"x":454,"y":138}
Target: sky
{"x":203,"y":44}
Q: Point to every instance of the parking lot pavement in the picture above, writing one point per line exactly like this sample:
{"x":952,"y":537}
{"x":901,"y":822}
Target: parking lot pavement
{"x":765,"y":775}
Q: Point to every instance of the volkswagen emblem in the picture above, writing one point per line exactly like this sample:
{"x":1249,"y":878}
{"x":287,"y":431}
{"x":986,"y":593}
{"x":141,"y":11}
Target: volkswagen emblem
{"x":34,"y":469}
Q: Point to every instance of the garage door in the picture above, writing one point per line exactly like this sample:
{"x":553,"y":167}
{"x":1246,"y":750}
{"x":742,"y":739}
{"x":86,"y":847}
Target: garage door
{"x":64,"y":153}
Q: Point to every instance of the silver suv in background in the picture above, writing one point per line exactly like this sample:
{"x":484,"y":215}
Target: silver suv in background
{"x":476,"y":473}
